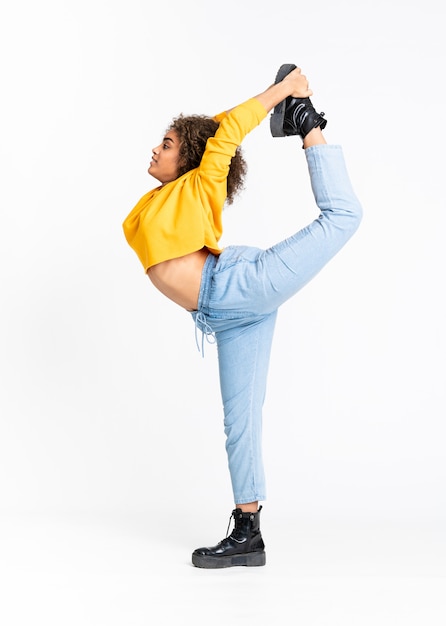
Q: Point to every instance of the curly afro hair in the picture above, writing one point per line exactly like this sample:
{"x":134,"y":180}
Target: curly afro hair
{"x":193,"y":132}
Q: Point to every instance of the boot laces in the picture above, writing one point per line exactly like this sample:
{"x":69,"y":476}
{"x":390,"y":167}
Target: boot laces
{"x":229,"y":523}
{"x":233,"y":514}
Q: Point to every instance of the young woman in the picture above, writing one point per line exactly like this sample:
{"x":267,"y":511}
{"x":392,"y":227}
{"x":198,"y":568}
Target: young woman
{"x":234,"y":293}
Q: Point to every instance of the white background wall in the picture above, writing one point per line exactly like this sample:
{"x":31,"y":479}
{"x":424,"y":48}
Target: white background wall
{"x":105,"y":403}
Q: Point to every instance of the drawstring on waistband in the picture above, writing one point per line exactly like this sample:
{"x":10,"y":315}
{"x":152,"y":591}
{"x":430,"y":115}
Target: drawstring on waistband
{"x":206,"y":331}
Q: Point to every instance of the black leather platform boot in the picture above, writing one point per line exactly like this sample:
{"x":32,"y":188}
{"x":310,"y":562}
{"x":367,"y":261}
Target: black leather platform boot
{"x":294,"y":116}
{"x":244,"y":546}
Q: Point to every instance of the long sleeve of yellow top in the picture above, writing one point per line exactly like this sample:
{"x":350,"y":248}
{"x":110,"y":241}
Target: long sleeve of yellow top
{"x":185,"y":215}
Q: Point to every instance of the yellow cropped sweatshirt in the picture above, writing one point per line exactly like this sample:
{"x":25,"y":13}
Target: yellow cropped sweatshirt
{"x":185,"y":215}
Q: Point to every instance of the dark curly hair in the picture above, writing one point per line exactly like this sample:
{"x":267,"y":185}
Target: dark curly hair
{"x":193,"y":132}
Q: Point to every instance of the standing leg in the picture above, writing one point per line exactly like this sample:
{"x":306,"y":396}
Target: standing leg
{"x":243,"y":356}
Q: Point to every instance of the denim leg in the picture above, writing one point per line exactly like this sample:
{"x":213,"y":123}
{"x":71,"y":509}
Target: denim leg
{"x":259,"y":281}
{"x":292,"y":263}
{"x":243,"y":356}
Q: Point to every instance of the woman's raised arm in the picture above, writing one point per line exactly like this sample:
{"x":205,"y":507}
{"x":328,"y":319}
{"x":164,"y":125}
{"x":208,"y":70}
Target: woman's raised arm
{"x":294,"y":84}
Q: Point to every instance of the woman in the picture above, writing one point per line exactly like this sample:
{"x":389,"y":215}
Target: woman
{"x":234,"y":293}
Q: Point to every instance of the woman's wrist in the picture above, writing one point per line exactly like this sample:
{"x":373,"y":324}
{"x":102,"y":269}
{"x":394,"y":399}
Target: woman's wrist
{"x":274,"y":94}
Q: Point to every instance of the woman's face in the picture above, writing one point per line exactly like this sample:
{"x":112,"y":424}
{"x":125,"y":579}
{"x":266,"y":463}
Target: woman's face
{"x":165,"y":159}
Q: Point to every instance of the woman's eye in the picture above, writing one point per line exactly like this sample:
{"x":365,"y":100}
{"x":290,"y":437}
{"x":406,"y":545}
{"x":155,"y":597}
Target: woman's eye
{"x":165,"y":145}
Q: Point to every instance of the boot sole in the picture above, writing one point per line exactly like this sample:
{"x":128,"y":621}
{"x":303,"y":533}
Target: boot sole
{"x":278,"y":115}
{"x":251,"y":559}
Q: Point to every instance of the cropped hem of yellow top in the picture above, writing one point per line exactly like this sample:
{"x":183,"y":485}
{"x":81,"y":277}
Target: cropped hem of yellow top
{"x":185,"y":215}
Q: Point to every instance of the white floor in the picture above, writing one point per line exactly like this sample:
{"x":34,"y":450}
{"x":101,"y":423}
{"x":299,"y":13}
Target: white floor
{"x":98,"y":570}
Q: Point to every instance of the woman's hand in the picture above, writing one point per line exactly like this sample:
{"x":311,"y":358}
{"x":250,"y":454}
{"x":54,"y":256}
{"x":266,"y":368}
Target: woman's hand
{"x":294,"y":84}
{"x":298,"y":84}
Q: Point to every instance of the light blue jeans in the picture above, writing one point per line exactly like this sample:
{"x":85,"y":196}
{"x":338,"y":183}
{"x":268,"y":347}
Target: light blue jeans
{"x":241,"y":290}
